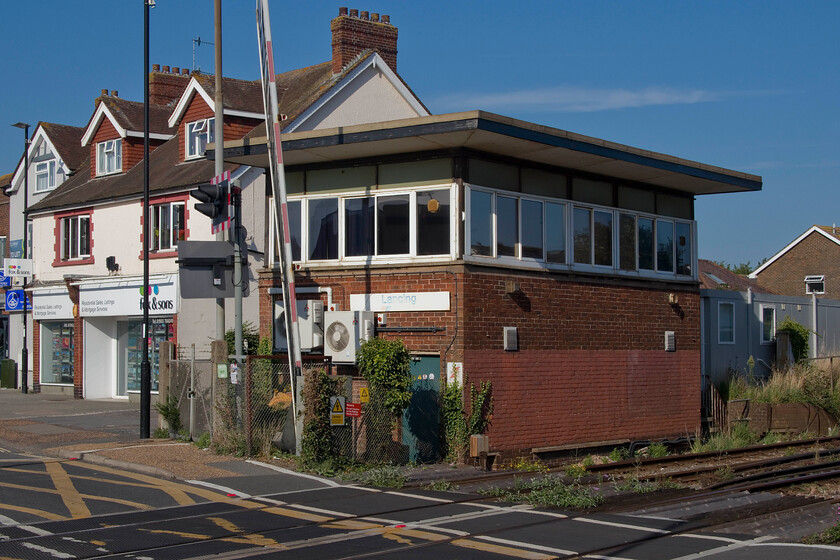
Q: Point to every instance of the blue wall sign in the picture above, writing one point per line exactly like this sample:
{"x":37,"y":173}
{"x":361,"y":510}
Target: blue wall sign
{"x":14,"y":301}
{"x":16,"y":249}
{"x":5,"y":281}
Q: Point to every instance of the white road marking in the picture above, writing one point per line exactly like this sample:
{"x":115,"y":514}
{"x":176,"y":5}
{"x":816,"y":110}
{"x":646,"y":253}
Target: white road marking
{"x":294,"y":473}
{"x":220,"y":488}
{"x":518,"y":544}
{"x":50,"y":551}
{"x":621,"y":525}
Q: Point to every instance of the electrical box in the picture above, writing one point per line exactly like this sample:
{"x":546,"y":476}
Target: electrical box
{"x":310,"y":315}
{"x":670,"y":341}
{"x":344,"y":332}
{"x":511,"y":339}
{"x":479,"y":444}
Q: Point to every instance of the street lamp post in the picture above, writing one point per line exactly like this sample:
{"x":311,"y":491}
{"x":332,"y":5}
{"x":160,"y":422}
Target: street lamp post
{"x":24,"y":355}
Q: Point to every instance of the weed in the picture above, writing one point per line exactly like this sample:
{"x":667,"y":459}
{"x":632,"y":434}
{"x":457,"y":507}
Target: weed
{"x":789,"y":451}
{"x":725,"y":473}
{"x":576,"y":471}
{"x":829,"y":536}
{"x":633,"y":484}
{"x":657,"y":450}
{"x":441,"y":486}
{"x":739,"y":435}
{"x":527,"y":465}
{"x":388,"y":476}
{"x":618,"y":454}
{"x":203,"y":441}
{"x":588,"y":461}
{"x":548,"y":491}
{"x":161,"y":433}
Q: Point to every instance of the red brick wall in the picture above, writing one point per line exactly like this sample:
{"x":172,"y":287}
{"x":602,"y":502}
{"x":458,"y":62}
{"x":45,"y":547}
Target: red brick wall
{"x":814,"y":255}
{"x":233,"y":127}
{"x":351,"y":35}
{"x":165,"y":87}
{"x":591,"y":364}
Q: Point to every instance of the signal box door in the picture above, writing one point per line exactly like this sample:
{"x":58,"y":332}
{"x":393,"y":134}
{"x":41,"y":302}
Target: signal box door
{"x":421,"y":420}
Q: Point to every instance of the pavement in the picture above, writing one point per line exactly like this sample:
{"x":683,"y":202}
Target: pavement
{"x":107,"y":432}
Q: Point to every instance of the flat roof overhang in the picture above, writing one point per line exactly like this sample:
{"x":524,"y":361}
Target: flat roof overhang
{"x":494,"y":134}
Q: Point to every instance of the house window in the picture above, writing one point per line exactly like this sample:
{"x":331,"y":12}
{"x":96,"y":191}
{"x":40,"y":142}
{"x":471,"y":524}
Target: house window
{"x":45,"y":176}
{"x":815,"y":284}
{"x":168,"y":226}
{"x":199,"y":134}
{"x":768,"y":324}
{"x":109,"y":157}
{"x":726,"y":323}
{"x":75,"y":238}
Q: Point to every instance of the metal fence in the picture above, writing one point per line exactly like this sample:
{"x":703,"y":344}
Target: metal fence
{"x":191,"y":383}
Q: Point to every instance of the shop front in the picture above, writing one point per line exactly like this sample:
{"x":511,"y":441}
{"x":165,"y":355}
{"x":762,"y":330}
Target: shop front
{"x":112,"y":313}
{"x":53,"y":311}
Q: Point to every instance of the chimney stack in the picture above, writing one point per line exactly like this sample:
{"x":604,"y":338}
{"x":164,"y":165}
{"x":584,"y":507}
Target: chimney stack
{"x":352,"y":34}
{"x":115,"y":93}
{"x":166,"y":87}
{"x":104,"y":92}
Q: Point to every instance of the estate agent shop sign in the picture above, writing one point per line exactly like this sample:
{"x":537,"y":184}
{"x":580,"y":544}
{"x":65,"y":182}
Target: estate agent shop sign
{"x":104,"y":300}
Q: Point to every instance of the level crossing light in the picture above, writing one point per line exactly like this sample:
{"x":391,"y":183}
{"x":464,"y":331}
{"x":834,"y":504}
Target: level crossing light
{"x":214,"y":199}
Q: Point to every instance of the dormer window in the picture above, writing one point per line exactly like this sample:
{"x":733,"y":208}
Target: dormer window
{"x":109,"y":157}
{"x":199,"y":134}
{"x":45,"y":176}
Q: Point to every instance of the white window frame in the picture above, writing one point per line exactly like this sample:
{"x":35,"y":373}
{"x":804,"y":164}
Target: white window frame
{"x":45,"y":170}
{"x":721,"y":305}
{"x":195,"y":131}
{"x":154,"y":239}
{"x":810,"y":281}
{"x":761,"y":310}
{"x":76,"y":245}
{"x":109,"y":157}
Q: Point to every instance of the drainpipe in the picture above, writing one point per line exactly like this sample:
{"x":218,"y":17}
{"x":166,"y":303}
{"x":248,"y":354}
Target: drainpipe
{"x":750,"y":321}
{"x":812,"y":337}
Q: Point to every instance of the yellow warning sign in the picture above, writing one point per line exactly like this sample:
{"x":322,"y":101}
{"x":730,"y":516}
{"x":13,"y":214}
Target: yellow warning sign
{"x":364,"y":395}
{"x":336,"y":411}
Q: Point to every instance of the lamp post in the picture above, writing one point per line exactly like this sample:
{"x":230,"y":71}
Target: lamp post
{"x":24,"y":354}
{"x":145,"y":366}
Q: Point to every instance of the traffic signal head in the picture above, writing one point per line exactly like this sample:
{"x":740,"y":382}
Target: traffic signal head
{"x":214,"y":199}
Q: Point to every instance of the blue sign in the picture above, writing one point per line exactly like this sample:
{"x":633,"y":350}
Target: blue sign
{"x":14,"y":301}
{"x":5,"y":281}
{"x":16,"y":249}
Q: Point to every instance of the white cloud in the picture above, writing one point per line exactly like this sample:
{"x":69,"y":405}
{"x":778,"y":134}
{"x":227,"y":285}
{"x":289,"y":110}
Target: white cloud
{"x":575,"y":100}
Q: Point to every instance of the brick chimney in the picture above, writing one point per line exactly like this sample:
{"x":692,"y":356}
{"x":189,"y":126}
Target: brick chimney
{"x":351,"y":34}
{"x":166,"y":86}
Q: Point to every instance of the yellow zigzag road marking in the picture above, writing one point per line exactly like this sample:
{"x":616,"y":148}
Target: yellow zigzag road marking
{"x":39,"y":512}
{"x":177,"y":534}
{"x":499,"y":549}
{"x":298,"y":514}
{"x":86,"y":496}
{"x":250,"y":538}
{"x":69,"y":495}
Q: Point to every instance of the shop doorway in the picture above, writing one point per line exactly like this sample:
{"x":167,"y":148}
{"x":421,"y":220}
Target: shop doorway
{"x":130,"y":352}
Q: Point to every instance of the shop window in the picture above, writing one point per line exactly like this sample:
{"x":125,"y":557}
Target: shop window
{"x":168,"y":226}
{"x":532,"y":229}
{"x":726,"y":323}
{"x":507,"y":226}
{"x":392,"y":228}
{"x":481,"y":223}
{"x":322,"y":232}
{"x":45,"y":176}
{"x":132,"y":349}
{"x":199,"y":134}
{"x":75,"y":237}
{"x":433,"y":211}
{"x":555,"y":233}
{"x":109,"y":157}
{"x":768,"y":324}
{"x":57,"y":352}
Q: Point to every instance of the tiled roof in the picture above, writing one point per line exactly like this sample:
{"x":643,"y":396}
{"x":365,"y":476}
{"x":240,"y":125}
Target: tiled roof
{"x":715,"y":277}
{"x":129,"y":114}
{"x":238,"y":95}
{"x":831,"y":230}
{"x":67,"y":141}
{"x":165,"y":173}
{"x":6,"y":180}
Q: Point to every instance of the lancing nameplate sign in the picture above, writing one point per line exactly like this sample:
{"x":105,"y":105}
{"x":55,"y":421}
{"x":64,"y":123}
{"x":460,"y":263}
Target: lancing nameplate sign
{"x":400,"y":301}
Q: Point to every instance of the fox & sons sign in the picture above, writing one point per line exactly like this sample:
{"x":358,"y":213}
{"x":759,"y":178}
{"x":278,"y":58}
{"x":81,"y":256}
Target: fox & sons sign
{"x":104,"y":300}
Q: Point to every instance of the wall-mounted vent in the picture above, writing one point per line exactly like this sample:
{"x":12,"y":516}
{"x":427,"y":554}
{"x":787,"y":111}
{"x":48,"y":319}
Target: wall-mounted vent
{"x":670,"y":341}
{"x":511,"y":339}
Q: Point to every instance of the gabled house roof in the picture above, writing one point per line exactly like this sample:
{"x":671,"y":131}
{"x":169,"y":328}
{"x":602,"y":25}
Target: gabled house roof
{"x":715,"y":277}
{"x":829,"y":232}
{"x":5,"y":181}
{"x":62,"y":140}
{"x":241,"y":98}
{"x":127,"y":117}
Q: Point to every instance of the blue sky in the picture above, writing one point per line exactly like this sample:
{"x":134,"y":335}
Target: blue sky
{"x":748,"y":85}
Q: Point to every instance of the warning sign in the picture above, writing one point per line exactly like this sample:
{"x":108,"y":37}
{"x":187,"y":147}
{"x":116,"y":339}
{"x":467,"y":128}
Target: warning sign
{"x":364,"y":395}
{"x":336,"y":411}
{"x":354,"y":410}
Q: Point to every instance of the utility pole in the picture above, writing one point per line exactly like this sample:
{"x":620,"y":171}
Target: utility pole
{"x":145,"y":365}
{"x":218,"y":133}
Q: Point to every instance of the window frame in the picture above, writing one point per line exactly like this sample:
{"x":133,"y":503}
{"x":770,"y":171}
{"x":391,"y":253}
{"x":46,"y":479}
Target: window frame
{"x":154,"y":238}
{"x":192,"y":136}
{"x":102,"y":151}
{"x":731,"y":306}
{"x":61,"y":224}
{"x":813,"y":280}
{"x":763,"y":326}
{"x":48,"y":173}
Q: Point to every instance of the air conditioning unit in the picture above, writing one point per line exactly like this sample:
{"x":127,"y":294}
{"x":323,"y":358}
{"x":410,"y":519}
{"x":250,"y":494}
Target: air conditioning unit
{"x":310,"y":314}
{"x":344,"y":332}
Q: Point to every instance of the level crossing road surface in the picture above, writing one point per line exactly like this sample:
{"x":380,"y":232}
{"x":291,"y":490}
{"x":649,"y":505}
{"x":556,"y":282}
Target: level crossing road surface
{"x":70,"y":509}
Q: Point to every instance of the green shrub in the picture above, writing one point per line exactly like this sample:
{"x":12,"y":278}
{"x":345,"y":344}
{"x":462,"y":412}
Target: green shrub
{"x":549,"y":491}
{"x":657,"y":450}
{"x":799,"y":336}
{"x":250,"y":339}
{"x":453,"y":422}
{"x":317,"y":441}
{"x":386,"y":364}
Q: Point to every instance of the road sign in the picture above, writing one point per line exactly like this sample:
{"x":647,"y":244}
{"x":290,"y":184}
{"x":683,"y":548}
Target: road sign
{"x":364,"y":395}
{"x":18,"y":267}
{"x":5,"y":281}
{"x":336,"y":411}
{"x":14,"y":301}
{"x":353,"y":410}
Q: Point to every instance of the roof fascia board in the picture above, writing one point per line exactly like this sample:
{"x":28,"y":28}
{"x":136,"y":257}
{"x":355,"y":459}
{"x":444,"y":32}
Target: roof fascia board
{"x":152,"y":135}
{"x":377,"y":63}
{"x":101,"y":112}
{"x":791,"y":245}
{"x":186,"y":97}
{"x":246,"y":114}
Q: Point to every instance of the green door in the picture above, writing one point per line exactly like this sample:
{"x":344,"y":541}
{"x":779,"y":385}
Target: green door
{"x":421,"y":420}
